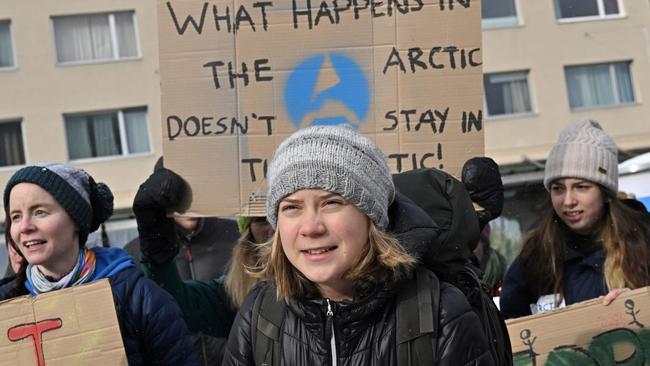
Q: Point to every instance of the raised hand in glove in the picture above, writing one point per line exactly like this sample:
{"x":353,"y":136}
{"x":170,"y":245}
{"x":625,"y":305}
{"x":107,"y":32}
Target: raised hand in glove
{"x":162,"y":190}
{"x":482,"y":180}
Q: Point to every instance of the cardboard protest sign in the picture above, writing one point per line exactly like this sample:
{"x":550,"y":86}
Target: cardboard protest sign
{"x":74,"y":326}
{"x":586,"y":334}
{"x":237,"y":77}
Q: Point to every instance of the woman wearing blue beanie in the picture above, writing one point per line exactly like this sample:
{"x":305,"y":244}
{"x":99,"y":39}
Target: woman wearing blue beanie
{"x":50,"y":211}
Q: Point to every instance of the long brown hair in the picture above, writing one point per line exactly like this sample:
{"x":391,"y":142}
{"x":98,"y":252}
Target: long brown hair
{"x":383,"y":259}
{"x":245,"y":256}
{"x":625,"y":238}
{"x":18,"y":286}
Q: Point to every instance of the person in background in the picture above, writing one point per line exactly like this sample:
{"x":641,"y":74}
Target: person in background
{"x":491,"y":262}
{"x":588,"y":243}
{"x":51,"y":209}
{"x":238,"y":281}
{"x":205,"y":243}
{"x":205,"y":246}
{"x":209,"y":305}
{"x":15,"y":261}
{"x":334,"y":267}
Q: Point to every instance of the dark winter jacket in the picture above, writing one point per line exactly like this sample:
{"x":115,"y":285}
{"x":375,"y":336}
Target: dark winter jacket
{"x":204,"y":253}
{"x":203,"y":256}
{"x":365,"y":328}
{"x":584,"y":279}
{"x":152,"y":328}
{"x":6,"y":284}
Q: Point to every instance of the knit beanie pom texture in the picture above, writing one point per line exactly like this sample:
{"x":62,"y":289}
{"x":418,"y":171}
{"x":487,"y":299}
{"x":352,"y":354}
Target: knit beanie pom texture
{"x":335,"y":159}
{"x":89,"y":204}
{"x":585,"y":151}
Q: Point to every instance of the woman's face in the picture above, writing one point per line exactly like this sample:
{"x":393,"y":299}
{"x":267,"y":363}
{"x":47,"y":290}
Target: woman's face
{"x":579,"y":203}
{"x":323,"y":236}
{"x":43,"y":230}
{"x":261,"y":230}
{"x":15,"y":259}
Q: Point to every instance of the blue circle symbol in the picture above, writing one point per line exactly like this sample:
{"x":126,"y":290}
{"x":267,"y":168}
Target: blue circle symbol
{"x":305,"y":103}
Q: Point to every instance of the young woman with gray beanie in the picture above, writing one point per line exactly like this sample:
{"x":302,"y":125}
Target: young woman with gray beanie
{"x":587,"y":243}
{"x":335,"y":269}
{"x":50,"y":211}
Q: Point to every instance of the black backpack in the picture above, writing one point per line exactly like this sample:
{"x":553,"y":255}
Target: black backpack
{"x":445,"y":199}
{"x":416,"y":330}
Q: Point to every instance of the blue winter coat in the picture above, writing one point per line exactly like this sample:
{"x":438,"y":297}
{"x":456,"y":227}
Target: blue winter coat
{"x":584,"y":279}
{"x":151,"y":323}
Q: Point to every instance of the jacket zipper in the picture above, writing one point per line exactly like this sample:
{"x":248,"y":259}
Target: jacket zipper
{"x":330,"y":327}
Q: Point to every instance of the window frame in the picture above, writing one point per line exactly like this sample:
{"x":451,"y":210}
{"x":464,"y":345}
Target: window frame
{"x":503,"y":22}
{"x":590,"y":18}
{"x":122,"y":138}
{"x":613,"y":80}
{"x":532,"y":111}
{"x":18,"y":120}
{"x":114,"y":41}
{"x":14,"y":66}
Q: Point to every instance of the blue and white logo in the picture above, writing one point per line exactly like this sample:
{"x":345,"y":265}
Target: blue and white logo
{"x":327,"y":90}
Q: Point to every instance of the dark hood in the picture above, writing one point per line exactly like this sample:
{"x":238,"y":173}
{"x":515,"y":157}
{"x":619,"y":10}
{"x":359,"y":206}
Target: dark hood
{"x":446,"y":202}
{"x":415,"y":230}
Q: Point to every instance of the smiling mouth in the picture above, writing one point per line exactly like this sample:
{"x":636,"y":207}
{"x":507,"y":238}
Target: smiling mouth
{"x":31,"y":243}
{"x":319,"y":250}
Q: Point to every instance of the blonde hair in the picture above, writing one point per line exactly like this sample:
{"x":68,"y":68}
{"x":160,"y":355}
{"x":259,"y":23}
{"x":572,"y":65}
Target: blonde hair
{"x":383,"y":259}
{"x":239,"y":278}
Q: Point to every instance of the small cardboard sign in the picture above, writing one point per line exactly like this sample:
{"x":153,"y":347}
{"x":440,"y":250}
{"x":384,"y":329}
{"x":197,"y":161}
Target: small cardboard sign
{"x":586,"y":334}
{"x":239,"y":76}
{"x":73,"y":326}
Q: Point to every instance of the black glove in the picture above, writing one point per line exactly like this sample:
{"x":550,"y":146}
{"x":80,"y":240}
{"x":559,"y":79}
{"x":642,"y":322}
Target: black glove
{"x":162,"y":190}
{"x":482,"y":180}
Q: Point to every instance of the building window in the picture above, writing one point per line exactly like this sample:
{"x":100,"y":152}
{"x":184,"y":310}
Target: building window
{"x":95,"y":37}
{"x":115,"y":133}
{"x":599,"y":84}
{"x":12,"y":151}
{"x":569,"y":9}
{"x":6,"y":45}
{"x":499,"y":13}
{"x":507,"y":93}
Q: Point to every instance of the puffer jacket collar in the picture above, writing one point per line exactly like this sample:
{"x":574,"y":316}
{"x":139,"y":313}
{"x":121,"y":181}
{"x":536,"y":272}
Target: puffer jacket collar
{"x":355,"y":314}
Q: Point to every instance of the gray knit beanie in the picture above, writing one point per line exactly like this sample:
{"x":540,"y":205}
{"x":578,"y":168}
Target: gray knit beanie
{"x":88,"y":203}
{"x":336,"y":159}
{"x":583,"y":151}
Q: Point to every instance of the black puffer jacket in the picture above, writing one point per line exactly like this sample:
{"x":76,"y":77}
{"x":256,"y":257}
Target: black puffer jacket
{"x":365,"y":328}
{"x":584,"y":279}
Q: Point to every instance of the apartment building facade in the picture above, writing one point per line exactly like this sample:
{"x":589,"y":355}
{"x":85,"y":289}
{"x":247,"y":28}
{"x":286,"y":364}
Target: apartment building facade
{"x":79,"y":84}
{"x":547,"y":63}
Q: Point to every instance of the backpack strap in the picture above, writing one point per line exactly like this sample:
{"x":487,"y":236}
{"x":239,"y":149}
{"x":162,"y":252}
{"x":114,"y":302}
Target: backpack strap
{"x":266,"y":321}
{"x":417,"y":325}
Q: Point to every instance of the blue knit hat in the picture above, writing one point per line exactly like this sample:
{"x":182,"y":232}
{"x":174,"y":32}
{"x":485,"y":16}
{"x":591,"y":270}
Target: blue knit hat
{"x":88,"y":203}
